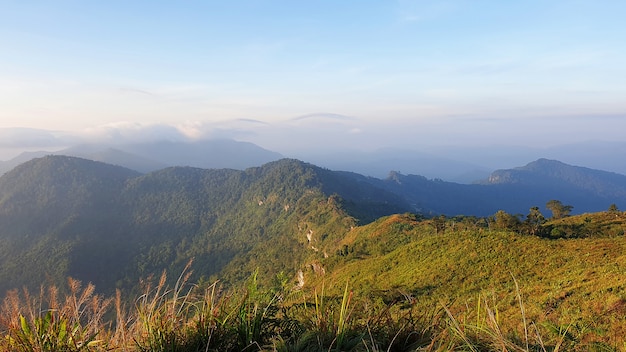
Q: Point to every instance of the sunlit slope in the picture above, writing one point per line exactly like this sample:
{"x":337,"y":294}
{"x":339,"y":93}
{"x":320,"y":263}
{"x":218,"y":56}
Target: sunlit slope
{"x":560,"y":281}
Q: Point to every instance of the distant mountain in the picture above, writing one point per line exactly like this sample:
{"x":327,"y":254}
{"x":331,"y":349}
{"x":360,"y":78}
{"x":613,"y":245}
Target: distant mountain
{"x":593,"y":154}
{"x":207,"y":154}
{"x":514,"y":190}
{"x":380,"y":162}
{"x":152,"y":156}
{"x":554,"y":174}
{"x":114,"y":156}
{"x":22,"y":158}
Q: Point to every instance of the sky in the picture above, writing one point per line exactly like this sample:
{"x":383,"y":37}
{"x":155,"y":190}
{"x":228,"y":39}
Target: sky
{"x":301,"y":75}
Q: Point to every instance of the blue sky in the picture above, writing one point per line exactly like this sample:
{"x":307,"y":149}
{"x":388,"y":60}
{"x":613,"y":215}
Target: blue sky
{"x":287,"y":74}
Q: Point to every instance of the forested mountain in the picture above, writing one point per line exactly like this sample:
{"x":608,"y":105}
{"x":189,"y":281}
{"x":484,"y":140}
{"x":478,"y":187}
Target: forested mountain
{"x":64,"y":216}
{"x":289,"y":224}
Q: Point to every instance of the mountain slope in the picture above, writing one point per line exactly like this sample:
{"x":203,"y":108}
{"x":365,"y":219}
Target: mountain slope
{"x":515,"y":190}
{"x":465,"y":267}
{"x":65,"y":216}
{"x":555,"y":174}
{"x":48,"y":208}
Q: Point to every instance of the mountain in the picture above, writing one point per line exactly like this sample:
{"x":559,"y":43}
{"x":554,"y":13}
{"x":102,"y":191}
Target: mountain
{"x":7,"y":165}
{"x":208,"y":154}
{"x":378,"y":163}
{"x":114,"y":156}
{"x":513,"y":190}
{"x":584,"y":188}
{"x":49,"y":208}
{"x":554,"y":174}
{"x":64,"y":216}
{"x":108,"y":224}
{"x":467,"y":163}
{"x":152,"y":156}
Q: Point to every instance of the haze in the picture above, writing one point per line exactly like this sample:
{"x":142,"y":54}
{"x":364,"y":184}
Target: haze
{"x":308,"y":78}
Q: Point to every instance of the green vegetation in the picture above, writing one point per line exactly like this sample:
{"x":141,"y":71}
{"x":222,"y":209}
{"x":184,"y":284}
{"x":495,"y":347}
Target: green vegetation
{"x":291,"y":257}
{"x":65,"y":217}
{"x":401,"y":283}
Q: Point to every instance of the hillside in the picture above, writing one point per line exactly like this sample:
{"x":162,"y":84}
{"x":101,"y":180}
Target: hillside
{"x":300,"y":226}
{"x":64,"y":216}
{"x":400,"y":283}
{"x":573,"y":283}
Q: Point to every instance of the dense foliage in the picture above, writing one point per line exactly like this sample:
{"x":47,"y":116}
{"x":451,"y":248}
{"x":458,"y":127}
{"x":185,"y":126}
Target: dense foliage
{"x":65,"y":216}
{"x":396,"y":284}
{"x":272,"y":249}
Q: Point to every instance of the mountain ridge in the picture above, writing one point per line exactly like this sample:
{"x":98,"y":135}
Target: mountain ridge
{"x":66,"y":215}
{"x":165,"y":218}
{"x":152,"y":156}
{"x":554,"y":173}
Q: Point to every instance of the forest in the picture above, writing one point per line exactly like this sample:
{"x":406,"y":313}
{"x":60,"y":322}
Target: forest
{"x":292,"y":257}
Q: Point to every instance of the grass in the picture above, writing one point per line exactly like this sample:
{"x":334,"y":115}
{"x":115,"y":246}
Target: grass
{"x":192,"y":318}
{"x":45,"y":323}
{"x":465,"y":289}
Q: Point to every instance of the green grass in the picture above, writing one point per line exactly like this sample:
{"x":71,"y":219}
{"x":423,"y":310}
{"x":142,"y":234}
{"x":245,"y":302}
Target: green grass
{"x":576,"y":283}
{"x":393,"y":285}
{"x":192,"y":318}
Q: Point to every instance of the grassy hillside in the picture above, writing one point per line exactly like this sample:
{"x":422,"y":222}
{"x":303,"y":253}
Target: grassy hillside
{"x":287,"y":258}
{"x":397,"y":284}
{"x":578,"y":284}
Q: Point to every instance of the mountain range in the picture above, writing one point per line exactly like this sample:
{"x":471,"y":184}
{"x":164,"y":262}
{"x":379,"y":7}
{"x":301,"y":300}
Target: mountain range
{"x":465,"y":164}
{"x":65,"y":216}
{"x":155,"y":155}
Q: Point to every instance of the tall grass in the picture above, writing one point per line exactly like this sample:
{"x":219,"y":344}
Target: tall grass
{"x":44,"y":323}
{"x":188,"y":317}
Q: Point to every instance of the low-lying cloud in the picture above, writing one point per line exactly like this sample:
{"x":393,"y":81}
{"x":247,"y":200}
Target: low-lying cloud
{"x":33,"y":138}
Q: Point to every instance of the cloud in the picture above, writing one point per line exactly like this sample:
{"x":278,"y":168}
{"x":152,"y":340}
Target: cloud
{"x":132,"y":132}
{"x":225,"y":129}
{"x":33,"y":138}
{"x":253,"y":121}
{"x":126,"y":132}
{"x":130,"y":90}
{"x":323,"y":116}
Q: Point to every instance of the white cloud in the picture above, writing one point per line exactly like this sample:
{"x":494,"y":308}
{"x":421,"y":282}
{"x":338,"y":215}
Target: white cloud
{"x":132,"y":132}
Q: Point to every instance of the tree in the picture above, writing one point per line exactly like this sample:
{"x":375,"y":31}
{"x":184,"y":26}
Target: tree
{"x":505,"y":221}
{"x":558,"y":209}
{"x":613,"y":208}
{"x":439,"y":222}
{"x":534,"y":220}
